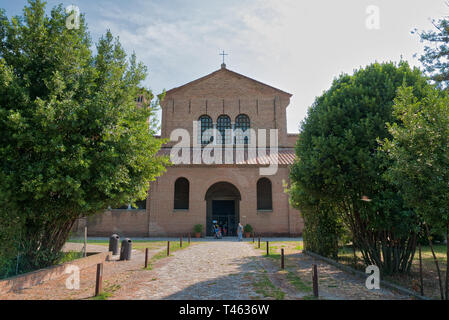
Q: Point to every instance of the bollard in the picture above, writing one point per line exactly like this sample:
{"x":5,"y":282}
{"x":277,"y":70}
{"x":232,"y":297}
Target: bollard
{"x":99,"y":281}
{"x":168,"y":248}
{"x":315,"y":280}
{"x":189,"y":237}
{"x":85,"y":242}
{"x":126,"y":249}
{"x":114,"y":242}
{"x":146,"y":258}
{"x":282,"y":258}
{"x":268,"y":248}
{"x":259,"y":242}
{"x":253,"y":237}
{"x":180,"y":242}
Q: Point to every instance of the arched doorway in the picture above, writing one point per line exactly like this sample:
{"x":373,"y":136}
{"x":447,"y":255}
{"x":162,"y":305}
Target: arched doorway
{"x":223,"y":205}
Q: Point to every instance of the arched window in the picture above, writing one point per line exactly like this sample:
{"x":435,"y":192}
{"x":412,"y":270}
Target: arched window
{"x":181,"y":194}
{"x":264,"y":195}
{"x":223,"y":124}
{"x":242,"y":136}
{"x":206,"y":124}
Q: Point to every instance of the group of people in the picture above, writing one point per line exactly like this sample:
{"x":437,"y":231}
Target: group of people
{"x":221,"y":231}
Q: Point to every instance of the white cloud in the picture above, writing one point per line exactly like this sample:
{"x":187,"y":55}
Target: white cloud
{"x":298,"y":46}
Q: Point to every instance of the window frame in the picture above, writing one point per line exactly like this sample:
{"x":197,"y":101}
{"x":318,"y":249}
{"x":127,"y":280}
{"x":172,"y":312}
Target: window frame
{"x":244,"y":126}
{"x":203,"y":128}
{"x":176,"y":195}
{"x":222,"y":127}
{"x":263,"y":194}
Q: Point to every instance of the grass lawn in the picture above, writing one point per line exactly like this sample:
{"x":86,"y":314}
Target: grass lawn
{"x":292,"y":273}
{"x":410,"y":281}
{"x":267,"y":289}
{"x":107,"y":292}
{"x":70,"y":256}
{"x":290,"y":247}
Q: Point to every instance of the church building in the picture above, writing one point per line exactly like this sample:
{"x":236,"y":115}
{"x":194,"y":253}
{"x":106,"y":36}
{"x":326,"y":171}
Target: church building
{"x":217,"y":111}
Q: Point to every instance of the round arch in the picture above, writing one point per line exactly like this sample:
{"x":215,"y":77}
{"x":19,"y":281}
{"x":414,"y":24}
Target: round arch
{"x":264,"y":194}
{"x":181,"y":194}
{"x":223,"y":190}
{"x":223,"y":204}
{"x":242,"y":125}
{"x":206,"y":124}
{"x":223,"y":124}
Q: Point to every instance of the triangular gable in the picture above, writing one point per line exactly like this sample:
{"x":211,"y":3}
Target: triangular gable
{"x":223,"y":73}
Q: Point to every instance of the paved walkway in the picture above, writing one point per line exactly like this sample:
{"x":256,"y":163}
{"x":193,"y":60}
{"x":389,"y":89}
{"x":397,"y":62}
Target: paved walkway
{"x":114,"y":274}
{"x":231,"y":270}
{"x":335,"y":284}
{"x":193,"y":239}
{"x":210,"y":270}
{"x":213,"y":270}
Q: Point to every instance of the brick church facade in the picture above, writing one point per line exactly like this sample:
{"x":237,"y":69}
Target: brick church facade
{"x":196,"y":191}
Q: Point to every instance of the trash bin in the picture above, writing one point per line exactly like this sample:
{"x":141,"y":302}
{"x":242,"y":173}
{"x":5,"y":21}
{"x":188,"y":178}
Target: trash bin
{"x":114,"y":244}
{"x":125,"y":250}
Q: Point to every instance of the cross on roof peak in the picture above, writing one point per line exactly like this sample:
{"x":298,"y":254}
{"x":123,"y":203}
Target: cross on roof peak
{"x":223,"y":65}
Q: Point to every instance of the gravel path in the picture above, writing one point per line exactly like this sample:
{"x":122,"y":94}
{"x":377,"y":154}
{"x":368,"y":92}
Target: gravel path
{"x":335,"y":284}
{"x":219,"y":270}
{"x":205,"y":271}
{"x":213,"y":270}
{"x":115,"y":273}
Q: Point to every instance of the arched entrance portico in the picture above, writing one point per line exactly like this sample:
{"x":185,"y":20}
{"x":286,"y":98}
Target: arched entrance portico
{"x":223,"y":205}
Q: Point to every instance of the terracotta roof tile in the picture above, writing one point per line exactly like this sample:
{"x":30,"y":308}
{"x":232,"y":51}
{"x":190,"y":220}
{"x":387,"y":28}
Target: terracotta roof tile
{"x":285,"y":157}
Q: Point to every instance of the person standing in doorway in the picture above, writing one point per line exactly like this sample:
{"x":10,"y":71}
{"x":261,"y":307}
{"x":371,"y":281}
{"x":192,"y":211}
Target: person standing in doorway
{"x":240,"y":231}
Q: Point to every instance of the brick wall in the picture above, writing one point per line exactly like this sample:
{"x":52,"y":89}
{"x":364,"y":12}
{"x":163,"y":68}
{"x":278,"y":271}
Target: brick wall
{"x":125,"y":223}
{"x":221,"y":92}
{"x":225,"y":92}
{"x":31,"y":279}
{"x":165,"y":221}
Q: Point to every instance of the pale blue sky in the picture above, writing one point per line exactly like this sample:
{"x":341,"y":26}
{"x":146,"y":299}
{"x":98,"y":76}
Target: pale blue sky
{"x":297,"y":46}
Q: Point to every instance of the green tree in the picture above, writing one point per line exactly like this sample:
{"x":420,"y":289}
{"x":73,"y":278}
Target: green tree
{"x":322,"y":227}
{"x":419,"y":148}
{"x":72,"y":139}
{"x":436,"y":53}
{"x":339,"y":163}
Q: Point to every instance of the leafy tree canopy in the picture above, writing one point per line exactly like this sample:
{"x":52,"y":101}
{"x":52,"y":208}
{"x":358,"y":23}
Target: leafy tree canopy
{"x":436,"y":53}
{"x":72,"y":140}
{"x":419,"y":149}
{"x":339,"y":161}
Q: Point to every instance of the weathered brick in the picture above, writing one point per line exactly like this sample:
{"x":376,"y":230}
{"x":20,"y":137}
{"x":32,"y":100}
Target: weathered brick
{"x":222,"y":92}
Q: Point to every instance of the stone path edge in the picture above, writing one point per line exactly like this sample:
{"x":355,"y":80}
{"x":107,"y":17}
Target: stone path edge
{"x":360,"y":274}
{"x":40,"y":276}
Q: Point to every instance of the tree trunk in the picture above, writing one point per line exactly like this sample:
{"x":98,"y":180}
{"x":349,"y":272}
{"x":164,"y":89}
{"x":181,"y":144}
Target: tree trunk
{"x":421,"y":282}
{"x":381,"y":248}
{"x":447,"y":263}
{"x":42,"y":247}
{"x":354,"y":252}
{"x":436,"y":263}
